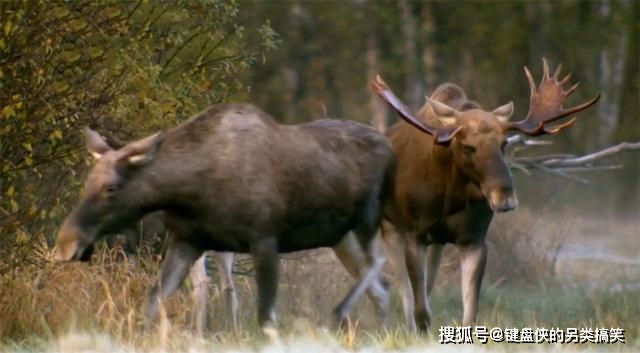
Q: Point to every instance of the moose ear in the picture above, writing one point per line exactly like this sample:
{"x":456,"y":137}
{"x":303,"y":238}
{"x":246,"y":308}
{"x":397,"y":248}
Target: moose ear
{"x":503,"y":113}
{"x":441,"y":109}
{"x":445,"y":113}
{"x":446,"y":121}
{"x":96,"y":145}
{"x":143,"y":151}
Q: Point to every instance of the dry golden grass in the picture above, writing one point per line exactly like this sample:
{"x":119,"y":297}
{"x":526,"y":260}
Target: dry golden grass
{"x":77,"y":307}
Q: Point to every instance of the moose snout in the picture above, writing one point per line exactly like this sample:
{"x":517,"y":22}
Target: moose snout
{"x":71,"y":246}
{"x":72,"y":252}
{"x":502,"y":200}
{"x":64,"y":252}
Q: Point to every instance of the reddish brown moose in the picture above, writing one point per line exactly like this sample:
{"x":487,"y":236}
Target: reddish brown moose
{"x":451,"y":177}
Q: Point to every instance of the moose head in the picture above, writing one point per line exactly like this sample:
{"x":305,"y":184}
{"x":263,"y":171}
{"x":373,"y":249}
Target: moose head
{"x":476,"y":139}
{"x":109,"y":202}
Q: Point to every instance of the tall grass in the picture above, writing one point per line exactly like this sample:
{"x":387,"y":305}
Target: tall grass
{"x":77,"y":307}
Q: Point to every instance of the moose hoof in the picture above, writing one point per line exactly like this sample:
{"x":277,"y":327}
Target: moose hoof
{"x":342,"y":320}
{"x":271,"y":333}
{"x":423,"y":320}
{"x":385,"y":281}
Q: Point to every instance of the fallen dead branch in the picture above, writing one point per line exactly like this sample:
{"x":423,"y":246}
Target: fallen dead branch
{"x":563,"y":164}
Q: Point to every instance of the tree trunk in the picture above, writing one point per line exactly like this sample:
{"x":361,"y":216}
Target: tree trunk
{"x":413,"y":85}
{"x":629,"y":105}
{"x":428,"y":48}
{"x":611,"y":65}
{"x":376,"y":106}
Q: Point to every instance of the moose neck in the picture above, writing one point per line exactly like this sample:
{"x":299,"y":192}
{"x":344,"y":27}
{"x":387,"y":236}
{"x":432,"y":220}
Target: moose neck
{"x":159,"y":186}
{"x":426,"y":178}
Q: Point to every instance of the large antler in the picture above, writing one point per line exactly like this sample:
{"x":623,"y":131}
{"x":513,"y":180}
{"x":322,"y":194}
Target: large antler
{"x":442,"y":135}
{"x":545,"y":104}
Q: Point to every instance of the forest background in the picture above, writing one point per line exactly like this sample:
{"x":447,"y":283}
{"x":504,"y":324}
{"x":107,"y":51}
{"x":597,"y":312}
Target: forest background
{"x":129,"y":69}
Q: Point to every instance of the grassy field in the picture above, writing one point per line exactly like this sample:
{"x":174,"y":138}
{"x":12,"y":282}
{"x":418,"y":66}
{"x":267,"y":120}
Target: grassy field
{"x":556,"y":275}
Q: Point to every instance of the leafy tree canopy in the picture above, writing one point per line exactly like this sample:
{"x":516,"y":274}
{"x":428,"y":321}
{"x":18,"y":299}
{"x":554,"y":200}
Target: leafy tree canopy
{"x":125,"y":68}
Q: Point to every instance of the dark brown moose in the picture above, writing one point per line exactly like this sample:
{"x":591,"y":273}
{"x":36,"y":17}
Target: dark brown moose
{"x":451,"y":178}
{"x":232,"y":179}
{"x":150,"y":232}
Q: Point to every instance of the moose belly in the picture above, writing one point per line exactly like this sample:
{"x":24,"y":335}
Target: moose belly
{"x":308,"y":230}
{"x":314,"y":230}
{"x":293,"y":240}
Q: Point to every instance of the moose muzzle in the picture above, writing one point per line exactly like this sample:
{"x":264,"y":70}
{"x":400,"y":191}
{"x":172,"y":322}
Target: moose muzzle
{"x":73,"y":244}
{"x":502,"y":199}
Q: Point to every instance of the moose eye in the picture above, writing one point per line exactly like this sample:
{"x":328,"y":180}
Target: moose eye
{"x":110,"y":188}
{"x":468,"y":149}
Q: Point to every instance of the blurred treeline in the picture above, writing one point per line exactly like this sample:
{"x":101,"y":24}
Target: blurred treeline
{"x":128,"y":69}
{"x":330,"y":50}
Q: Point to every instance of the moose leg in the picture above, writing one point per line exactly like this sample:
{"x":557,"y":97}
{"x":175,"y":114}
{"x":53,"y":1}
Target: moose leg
{"x":473,"y":258}
{"x":178,"y":260}
{"x":350,"y":255}
{"x":372,"y":272}
{"x":434,"y":255}
{"x":394,"y":248}
{"x":415,"y":261}
{"x":200,"y":282}
{"x":225,"y":261}
{"x":374,"y":260}
{"x":265,"y":261}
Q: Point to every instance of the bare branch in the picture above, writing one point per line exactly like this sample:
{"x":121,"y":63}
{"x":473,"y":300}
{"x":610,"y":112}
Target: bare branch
{"x":591,"y":169}
{"x":563,"y":164}
{"x":561,"y":174}
{"x":545,"y":157}
{"x":589,"y":158}
{"x":520,"y":140}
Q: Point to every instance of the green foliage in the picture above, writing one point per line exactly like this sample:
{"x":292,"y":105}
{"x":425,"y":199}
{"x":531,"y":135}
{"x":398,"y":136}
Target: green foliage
{"x":121,"y":67}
